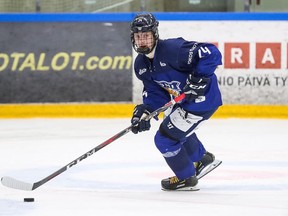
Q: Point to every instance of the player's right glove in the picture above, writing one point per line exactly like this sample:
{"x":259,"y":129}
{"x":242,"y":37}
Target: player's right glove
{"x":195,"y":87}
{"x":138,"y":123}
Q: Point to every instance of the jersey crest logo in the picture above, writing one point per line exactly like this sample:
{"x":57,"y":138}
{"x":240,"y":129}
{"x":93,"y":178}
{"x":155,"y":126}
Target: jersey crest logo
{"x":162,"y":64}
{"x":172,"y":87}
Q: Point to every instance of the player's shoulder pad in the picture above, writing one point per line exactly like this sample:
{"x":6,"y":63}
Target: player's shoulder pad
{"x":199,"y":56}
{"x":168,"y":49}
{"x":206,"y":49}
{"x":171,"y":43}
{"x":209,"y":52}
{"x":207,"y":60}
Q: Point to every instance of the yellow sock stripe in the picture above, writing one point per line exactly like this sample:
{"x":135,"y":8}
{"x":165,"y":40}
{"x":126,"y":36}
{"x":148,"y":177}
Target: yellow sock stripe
{"x":120,"y":110}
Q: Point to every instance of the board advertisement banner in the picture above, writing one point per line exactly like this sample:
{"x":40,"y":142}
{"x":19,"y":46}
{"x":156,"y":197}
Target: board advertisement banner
{"x":52,"y":62}
{"x":88,"y":58}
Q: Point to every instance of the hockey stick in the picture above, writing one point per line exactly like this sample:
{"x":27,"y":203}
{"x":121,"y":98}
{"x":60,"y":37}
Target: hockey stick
{"x":21,"y":185}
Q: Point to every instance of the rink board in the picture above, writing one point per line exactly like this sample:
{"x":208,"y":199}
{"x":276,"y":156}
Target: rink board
{"x":251,"y":87}
{"x":125,"y":110}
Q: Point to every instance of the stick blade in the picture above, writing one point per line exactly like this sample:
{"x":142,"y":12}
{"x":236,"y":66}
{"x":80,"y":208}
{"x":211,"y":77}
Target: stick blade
{"x":16,"y":184}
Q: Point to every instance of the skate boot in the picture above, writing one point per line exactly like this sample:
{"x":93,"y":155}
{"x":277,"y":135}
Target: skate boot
{"x":173,"y":183}
{"x":206,"y":160}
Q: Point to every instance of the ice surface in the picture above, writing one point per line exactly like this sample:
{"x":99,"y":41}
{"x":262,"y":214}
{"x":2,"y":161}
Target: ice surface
{"x":124,"y":177}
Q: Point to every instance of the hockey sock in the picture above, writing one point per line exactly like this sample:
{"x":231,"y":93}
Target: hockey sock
{"x":181,"y":165}
{"x":194,"y":148}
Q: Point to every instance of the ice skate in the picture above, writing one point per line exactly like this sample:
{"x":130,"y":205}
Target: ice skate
{"x":206,"y":160}
{"x":173,"y":184}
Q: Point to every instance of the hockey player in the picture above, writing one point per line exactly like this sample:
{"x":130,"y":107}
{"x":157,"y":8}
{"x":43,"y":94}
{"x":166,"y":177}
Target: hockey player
{"x":168,"y":68}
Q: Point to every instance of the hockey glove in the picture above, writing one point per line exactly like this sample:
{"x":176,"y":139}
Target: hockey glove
{"x":195,"y":87}
{"x":138,"y":123}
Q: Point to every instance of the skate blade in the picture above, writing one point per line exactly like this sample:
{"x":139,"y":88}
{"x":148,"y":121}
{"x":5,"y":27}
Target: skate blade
{"x":195,"y":188}
{"x":209,"y":168}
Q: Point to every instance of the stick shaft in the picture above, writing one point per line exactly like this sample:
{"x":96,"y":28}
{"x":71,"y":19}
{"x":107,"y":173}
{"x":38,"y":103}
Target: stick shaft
{"x":16,"y":184}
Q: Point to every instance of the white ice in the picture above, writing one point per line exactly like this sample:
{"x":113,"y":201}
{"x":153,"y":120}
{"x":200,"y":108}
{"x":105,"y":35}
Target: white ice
{"x":124,"y":177}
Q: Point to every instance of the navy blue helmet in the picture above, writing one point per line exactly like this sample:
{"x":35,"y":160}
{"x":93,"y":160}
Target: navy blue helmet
{"x":144,"y":22}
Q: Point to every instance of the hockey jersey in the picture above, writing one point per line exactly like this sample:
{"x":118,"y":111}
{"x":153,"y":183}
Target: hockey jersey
{"x":165,"y":75}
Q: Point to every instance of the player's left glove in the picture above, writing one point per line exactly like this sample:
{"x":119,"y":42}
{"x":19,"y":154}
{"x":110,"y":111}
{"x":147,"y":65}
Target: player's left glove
{"x":138,"y":123}
{"x":195,"y":87}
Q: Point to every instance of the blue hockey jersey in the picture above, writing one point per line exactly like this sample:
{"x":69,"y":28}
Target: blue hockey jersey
{"x":165,"y":75}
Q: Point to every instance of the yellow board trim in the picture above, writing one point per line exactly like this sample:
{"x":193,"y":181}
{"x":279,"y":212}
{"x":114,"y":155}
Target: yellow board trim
{"x":119,"y":110}
{"x":253,"y":111}
{"x":66,"y":110}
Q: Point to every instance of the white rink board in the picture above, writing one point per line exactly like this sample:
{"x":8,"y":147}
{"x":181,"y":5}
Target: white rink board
{"x":252,"y":85}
